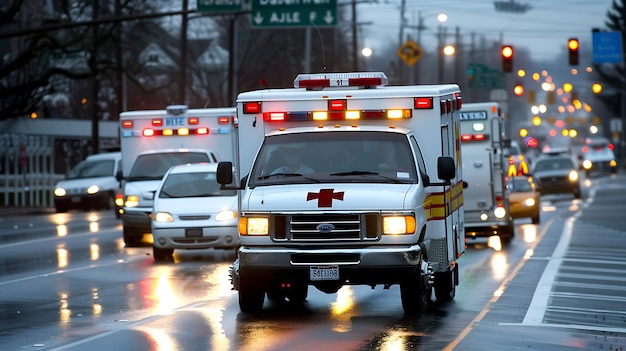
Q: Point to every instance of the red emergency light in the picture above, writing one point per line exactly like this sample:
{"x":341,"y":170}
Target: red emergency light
{"x":127,"y":124}
{"x":223,"y":120}
{"x":149,"y":132}
{"x":423,"y":103}
{"x":327,"y":80}
{"x":157,"y":122}
{"x":473,"y":137}
{"x":193,"y":120}
{"x":337,"y":105}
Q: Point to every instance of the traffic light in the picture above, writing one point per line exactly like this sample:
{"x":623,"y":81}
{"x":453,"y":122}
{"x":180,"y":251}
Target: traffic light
{"x":507,"y":58}
{"x":518,"y":89}
{"x":572,"y":46}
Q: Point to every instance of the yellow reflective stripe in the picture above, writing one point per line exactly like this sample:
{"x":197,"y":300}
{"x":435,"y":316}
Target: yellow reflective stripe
{"x":439,"y":205}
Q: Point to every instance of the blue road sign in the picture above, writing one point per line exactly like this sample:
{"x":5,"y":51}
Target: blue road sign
{"x":607,"y":47}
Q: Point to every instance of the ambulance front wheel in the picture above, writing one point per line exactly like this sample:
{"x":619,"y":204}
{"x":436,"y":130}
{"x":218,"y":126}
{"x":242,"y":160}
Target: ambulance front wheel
{"x":445,"y":285}
{"x":415,"y":294}
{"x":251,"y":294}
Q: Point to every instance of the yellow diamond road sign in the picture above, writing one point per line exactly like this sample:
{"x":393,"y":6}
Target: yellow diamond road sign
{"x":410,"y":52}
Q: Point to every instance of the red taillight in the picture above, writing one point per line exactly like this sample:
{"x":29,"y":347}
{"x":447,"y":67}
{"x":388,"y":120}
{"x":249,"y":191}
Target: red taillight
{"x":479,"y":137}
{"x":611,"y":146}
{"x":466,"y":137}
{"x":274,"y":116}
{"x":252,"y":107}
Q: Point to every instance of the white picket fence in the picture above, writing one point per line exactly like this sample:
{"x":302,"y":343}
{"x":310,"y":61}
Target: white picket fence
{"x":27,"y":176}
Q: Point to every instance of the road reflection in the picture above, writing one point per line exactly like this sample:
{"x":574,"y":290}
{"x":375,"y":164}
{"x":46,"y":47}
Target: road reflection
{"x":343,"y":309}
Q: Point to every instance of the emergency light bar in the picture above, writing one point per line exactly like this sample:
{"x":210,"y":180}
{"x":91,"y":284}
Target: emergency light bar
{"x":148,"y":132}
{"x":294,"y":116}
{"x":327,"y":80}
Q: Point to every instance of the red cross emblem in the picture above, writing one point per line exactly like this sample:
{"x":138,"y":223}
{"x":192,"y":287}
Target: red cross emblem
{"x":325,"y":197}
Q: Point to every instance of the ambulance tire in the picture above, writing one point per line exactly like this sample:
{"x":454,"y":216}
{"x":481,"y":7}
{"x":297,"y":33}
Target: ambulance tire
{"x":251,"y":294}
{"x":415,"y":294}
{"x":445,"y":286}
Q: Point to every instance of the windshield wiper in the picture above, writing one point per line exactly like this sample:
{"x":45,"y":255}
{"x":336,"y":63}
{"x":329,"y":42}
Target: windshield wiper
{"x":366,"y":173}
{"x":287,"y":175}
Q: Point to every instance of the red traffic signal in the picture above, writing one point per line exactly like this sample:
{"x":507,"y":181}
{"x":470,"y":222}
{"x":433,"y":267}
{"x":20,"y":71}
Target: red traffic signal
{"x":572,"y":46}
{"x":507,"y":58}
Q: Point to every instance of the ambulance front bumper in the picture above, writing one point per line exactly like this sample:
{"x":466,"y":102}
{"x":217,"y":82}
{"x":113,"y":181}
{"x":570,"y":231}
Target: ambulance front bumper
{"x":357,"y":266}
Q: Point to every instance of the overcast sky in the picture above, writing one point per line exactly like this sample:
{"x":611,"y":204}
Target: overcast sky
{"x":544,"y":29}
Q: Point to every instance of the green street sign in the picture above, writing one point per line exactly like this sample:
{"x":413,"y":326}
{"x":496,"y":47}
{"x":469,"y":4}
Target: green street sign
{"x":481,"y":76}
{"x":294,"y":13}
{"x":220,"y":5}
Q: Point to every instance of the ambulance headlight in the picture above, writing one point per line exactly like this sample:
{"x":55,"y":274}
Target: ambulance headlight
{"x":573,"y":176}
{"x":398,"y":225}
{"x":132,"y":201}
{"x":163,"y":217}
{"x":587,"y":164}
{"x":93,"y":189}
{"x":225,"y":215}
{"x":60,"y":192}
{"x":530,"y":202}
{"x":499,"y":212}
{"x":484,"y":216}
{"x":254,"y":226}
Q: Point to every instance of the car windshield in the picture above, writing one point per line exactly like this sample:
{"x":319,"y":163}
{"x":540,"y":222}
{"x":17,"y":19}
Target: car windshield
{"x":195,"y":184}
{"x":91,"y":169}
{"x":154,"y":166}
{"x":519,"y":185}
{"x":337,"y":157}
{"x":554,"y":164}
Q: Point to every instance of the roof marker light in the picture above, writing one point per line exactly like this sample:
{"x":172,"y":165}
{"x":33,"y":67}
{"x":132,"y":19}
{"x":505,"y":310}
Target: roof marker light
{"x":252,"y":107}
{"x":127,"y":124}
{"x":193,"y":120}
{"x":223,"y":120}
{"x":423,"y":103}
{"x":157,"y":122}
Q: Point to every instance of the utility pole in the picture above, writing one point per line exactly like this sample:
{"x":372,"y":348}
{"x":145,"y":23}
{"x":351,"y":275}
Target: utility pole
{"x":183,"y":54}
{"x":355,"y":61}
{"x":93,"y":63}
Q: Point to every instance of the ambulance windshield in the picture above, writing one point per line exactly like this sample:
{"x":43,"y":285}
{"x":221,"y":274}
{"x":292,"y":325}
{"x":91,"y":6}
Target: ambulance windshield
{"x":334,"y":157}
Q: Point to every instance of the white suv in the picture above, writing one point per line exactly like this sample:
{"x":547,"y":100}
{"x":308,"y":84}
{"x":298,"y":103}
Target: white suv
{"x":597,"y":155}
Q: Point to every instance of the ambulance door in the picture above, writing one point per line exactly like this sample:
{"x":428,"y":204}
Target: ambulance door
{"x":476,"y":159}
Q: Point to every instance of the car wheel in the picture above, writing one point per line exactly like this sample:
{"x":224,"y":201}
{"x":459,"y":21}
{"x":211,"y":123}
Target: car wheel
{"x":131,"y":238}
{"x":535,"y":219}
{"x":161,"y":254}
{"x":577,"y":193}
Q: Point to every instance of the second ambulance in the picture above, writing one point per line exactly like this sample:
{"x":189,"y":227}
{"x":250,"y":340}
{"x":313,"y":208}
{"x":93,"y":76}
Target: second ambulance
{"x":152,"y":141}
{"x":485,"y":199}
{"x":348,"y":181}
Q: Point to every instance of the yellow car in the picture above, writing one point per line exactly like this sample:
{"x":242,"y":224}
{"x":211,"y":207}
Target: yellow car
{"x":524,"y":199}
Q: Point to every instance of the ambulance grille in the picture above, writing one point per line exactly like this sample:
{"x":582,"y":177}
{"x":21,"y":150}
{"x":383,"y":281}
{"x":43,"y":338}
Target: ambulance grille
{"x":327,"y":227}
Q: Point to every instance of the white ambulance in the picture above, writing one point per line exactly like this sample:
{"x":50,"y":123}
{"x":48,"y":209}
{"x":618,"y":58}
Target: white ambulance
{"x":152,"y":141}
{"x":348,"y":181}
{"x":485,"y":199}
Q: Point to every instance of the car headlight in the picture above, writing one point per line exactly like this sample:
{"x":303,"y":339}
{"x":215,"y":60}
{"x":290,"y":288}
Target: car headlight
{"x":60,"y":192}
{"x":613,"y":163}
{"x":398,"y":225}
{"x":225,"y":215}
{"x":93,"y":189}
{"x":587,"y":164}
{"x":132,"y":201}
{"x":499,"y":212}
{"x":573,"y":176}
{"x":163,"y":217}
{"x":529,"y":202}
{"x":254,"y":226}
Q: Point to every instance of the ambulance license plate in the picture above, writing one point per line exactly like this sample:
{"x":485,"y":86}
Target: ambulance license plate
{"x":193,"y":232}
{"x":317,"y":273}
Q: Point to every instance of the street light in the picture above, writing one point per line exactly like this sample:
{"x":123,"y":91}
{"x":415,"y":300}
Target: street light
{"x":441,"y":18}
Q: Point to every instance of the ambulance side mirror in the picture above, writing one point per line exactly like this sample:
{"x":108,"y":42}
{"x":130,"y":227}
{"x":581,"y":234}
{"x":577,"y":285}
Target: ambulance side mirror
{"x":119,"y":176}
{"x":225,"y":173}
{"x":445,"y":168}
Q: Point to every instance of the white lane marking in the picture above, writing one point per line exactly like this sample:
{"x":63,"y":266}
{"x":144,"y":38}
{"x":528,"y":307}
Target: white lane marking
{"x":539,"y":303}
{"x":568,"y":326}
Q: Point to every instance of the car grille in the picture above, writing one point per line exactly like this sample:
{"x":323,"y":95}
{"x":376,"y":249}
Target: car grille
{"x":554,"y":179}
{"x":326,"y":227}
{"x":194,"y":217}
